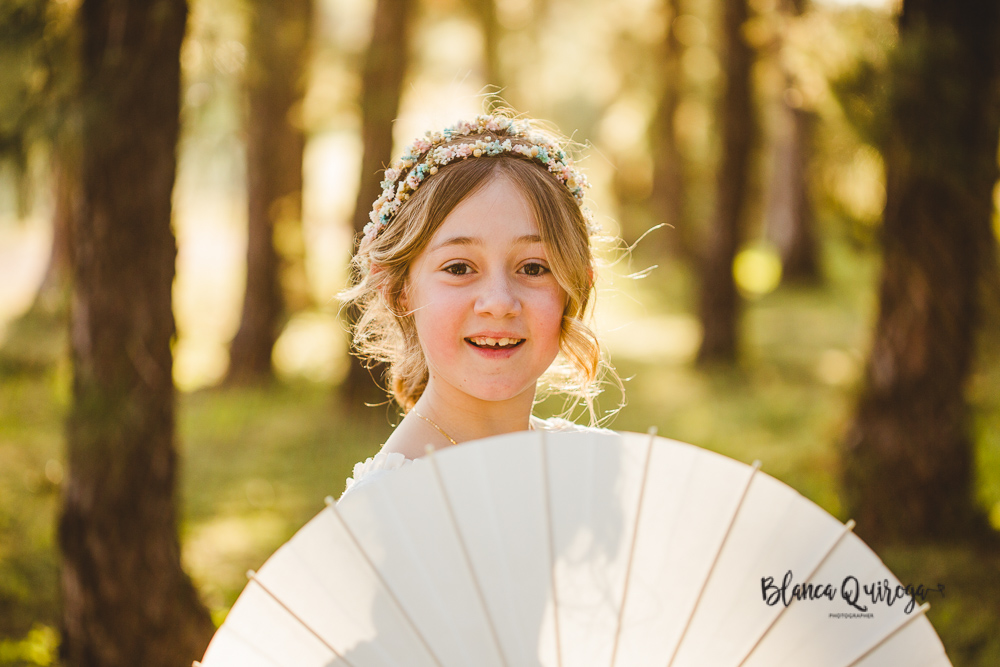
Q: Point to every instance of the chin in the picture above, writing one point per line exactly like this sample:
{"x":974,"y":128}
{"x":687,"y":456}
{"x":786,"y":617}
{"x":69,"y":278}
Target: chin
{"x":496,"y":394}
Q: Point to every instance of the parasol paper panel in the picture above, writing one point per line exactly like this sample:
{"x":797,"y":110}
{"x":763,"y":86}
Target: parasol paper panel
{"x":573,"y":549}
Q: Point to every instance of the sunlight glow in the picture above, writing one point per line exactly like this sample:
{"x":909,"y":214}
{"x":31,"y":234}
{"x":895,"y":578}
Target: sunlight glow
{"x":24,"y":251}
{"x":757,"y":270}
{"x":312,"y":346}
{"x":837,"y":368}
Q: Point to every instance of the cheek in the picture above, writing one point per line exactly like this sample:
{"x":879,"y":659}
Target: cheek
{"x":550,"y":315}
{"x":441,"y":310}
{"x":439,"y":323}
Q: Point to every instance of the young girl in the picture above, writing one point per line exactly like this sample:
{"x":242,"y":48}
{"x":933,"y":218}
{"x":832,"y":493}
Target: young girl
{"x":475,"y":272}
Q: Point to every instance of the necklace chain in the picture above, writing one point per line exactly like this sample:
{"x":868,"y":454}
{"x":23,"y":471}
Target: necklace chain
{"x":440,"y":430}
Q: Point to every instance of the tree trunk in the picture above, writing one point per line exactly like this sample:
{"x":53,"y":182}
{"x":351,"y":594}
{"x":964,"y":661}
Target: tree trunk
{"x":51,"y":295}
{"x":381,"y":90}
{"x":276,"y":82}
{"x":908,"y":457}
{"x":790,"y":218}
{"x":126,"y":600}
{"x":720,"y":302}
{"x":668,"y":197}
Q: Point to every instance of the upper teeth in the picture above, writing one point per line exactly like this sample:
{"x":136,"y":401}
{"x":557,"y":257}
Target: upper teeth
{"x":483,"y":340}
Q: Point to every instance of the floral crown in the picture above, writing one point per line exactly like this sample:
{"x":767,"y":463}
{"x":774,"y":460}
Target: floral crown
{"x":436,"y":149}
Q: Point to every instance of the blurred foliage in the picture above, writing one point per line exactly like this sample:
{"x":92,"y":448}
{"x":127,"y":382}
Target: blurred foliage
{"x":39,"y":647}
{"x":37,"y":75}
{"x":213,"y":57}
{"x":839,"y":60}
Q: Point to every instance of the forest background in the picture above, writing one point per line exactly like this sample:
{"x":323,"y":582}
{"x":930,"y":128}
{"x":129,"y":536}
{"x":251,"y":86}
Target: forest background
{"x":824,"y":174}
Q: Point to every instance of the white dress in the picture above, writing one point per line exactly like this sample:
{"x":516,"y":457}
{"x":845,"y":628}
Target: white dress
{"x":383,"y":463}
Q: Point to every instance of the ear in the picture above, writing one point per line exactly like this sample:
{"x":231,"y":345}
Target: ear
{"x":401,"y":301}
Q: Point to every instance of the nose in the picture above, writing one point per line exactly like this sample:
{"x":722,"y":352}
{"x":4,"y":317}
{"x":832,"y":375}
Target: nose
{"x":498,"y":297}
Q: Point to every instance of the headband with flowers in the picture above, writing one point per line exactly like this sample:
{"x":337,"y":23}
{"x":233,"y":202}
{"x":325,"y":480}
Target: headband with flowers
{"x":436,"y":149}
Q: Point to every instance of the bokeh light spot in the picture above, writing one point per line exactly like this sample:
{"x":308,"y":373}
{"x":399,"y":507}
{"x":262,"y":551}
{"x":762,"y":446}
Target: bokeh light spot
{"x":757,"y":270}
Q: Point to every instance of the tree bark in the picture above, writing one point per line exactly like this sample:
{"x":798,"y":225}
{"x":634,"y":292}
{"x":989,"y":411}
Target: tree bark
{"x":720,"y":302}
{"x":126,"y":600}
{"x":908,"y":457}
{"x":381,"y":91}
{"x":276,"y":83}
{"x":791,"y":220}
{"x":65,"y":178}
{"x":668,"y":197}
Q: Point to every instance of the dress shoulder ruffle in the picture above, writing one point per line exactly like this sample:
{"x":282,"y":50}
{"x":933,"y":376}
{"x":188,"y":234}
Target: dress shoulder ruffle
{"x":381,"y":462}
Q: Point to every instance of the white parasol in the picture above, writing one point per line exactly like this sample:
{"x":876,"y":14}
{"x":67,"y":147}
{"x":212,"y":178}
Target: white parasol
{"x":566,"y":549}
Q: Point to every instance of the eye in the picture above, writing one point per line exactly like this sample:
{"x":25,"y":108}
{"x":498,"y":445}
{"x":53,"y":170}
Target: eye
{"x":534,"y":269}
{"x":458,"y":269}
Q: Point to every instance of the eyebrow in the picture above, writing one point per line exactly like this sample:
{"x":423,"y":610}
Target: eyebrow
{"x":474,"y":241}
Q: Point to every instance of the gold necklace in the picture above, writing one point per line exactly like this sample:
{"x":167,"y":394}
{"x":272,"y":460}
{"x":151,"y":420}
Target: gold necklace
{"x":440,"y":430}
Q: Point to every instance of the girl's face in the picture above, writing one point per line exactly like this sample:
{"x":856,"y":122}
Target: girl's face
{"x":487,"y":309}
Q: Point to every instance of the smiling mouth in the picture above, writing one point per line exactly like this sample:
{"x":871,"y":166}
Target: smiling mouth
{"x":487,"y":343}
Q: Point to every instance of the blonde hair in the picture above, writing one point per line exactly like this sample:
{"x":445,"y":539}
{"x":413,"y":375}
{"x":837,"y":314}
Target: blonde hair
{"x":384,"y":332}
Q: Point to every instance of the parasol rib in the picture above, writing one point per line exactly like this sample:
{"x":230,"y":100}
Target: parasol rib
{"x":848,"y":527}
{"x":468,"y":560}
{"x":253,"y":577}
{"x":392,"y":596}
{"x":715,"y":560}
{"x":921,"y":610}
{"x":635,"y":535}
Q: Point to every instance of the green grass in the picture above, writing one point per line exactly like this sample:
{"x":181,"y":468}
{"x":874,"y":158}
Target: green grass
{"x":258,"y":463}
{"x":31,"y":412}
